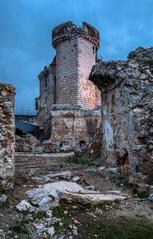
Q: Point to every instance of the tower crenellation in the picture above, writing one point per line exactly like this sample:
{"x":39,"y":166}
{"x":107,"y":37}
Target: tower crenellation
{"x":69,"y":30}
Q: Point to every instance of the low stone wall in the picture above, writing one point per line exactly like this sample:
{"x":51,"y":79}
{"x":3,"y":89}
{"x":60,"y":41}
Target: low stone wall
{"x":7,"y":136}
{"x":32,"y":164}
{"x":127,"y":113}
{"x":75,"y":130}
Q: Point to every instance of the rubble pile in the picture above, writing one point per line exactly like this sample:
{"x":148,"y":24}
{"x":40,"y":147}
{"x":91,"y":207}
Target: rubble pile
{"x":27,"y":143}
{"x":47,"y":198}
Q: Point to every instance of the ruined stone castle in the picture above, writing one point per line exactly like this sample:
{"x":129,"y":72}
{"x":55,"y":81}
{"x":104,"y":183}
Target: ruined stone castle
{"x":88,"y":105}
{"x":68,"y":101}
{"x":66,"y":79}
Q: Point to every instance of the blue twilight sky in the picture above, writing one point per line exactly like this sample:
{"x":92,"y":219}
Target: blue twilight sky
{"x":25,"y":35}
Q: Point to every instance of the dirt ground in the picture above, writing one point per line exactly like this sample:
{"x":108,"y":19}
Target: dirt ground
{"x":109,"y":220}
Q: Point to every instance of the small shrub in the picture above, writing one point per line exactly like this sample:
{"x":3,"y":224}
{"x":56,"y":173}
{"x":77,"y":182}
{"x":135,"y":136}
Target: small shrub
{"x":79,"y":160}
{"x":65,"y":219}
{"x":122,"y":182}
{"x":20,"y":227}
{"x":143,"y":194}
{"x":39,"y":215}
{"x":150,"y":180}
{"x":58,"y":211}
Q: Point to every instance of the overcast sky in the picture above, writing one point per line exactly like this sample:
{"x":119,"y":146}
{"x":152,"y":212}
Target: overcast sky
{"x":25,"y":35}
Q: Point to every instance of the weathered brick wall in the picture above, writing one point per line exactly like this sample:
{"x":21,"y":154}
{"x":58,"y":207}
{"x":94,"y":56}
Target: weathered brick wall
{"x":74,"y":60}
{"x":66,"y":72}
{"x":76,"y":49}
{"x":87,"y":91}
{"x":7,"y":136}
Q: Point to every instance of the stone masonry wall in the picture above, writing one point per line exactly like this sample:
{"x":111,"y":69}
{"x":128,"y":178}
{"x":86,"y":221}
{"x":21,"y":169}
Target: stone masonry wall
{"x":7,"y":136}
{"x":47,"y":98}
{"x":127,"y":112}
{"x":74,"y":130}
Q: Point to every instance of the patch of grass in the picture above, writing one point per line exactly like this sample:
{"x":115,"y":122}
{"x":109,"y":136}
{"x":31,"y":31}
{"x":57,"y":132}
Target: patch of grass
{"x":121,"y":228}
{"x":143,"y":194}
{"x":122,"y":182}
{"x":59,"y":212}
{"x":150,"y":180}
{"x":39,"y":215}
{"x":143,"y":60}
{"x":3,"y":190}
{"x":105,"y":206}
{"x":49,"y":237}
{"x":61,"y":165}
{"x":20,"y":227}
{"x":79,"y":160}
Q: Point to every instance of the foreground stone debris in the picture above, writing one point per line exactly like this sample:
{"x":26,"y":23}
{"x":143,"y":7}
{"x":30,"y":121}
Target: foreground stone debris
{"x":44,"y":198}
{"x":24,"y":206}
{"x":56,"y":208}
{"x":64,"y":175}
{"x":47,"y":198}
{"x":49,"y":195}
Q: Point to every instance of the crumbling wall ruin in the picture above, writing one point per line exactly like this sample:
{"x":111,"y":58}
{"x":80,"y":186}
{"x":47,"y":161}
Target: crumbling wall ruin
{"x":27,"y":143}
{"x":127,"y":111}
{"x":7,"y":137}
{"x":75,"y":130}
{"x":47,"y":84}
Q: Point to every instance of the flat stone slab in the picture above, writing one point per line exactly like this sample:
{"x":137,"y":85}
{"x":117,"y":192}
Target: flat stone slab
{"x":64,"y":186}
{"x":73,"y":192}
{"x":49,"y":195}
{"x":63,"y":175}
{"x":92,"y":198}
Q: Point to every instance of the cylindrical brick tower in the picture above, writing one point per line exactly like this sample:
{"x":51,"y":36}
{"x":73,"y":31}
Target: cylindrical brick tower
{"x":76,"y":50}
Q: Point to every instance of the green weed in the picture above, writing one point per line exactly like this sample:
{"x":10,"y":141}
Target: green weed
{"x":121,"y":228}
{"x":79,"y":160}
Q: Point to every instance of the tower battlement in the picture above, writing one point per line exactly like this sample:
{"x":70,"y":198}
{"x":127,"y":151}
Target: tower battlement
{"x":69,"y":30}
